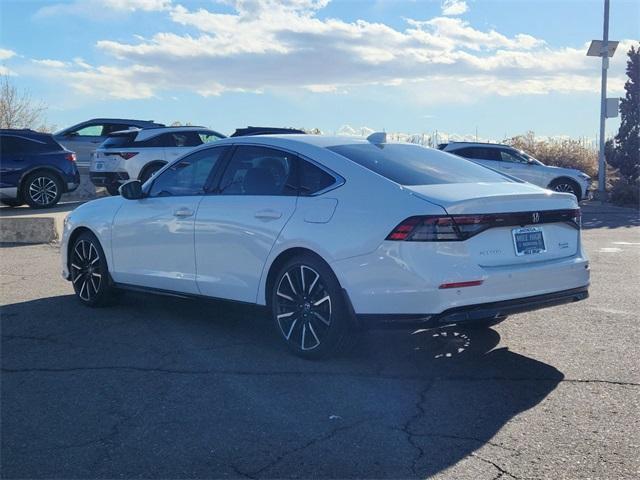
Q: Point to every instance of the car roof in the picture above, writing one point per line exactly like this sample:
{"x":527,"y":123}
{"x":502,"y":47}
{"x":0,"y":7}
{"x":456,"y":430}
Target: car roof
{"x":288,"y":139}
{"x":481,"y":144}
{"x":121,"y":120}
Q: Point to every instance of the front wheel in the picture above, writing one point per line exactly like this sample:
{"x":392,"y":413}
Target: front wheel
{"x":566,"y":186}
{"x":149,"y":172}
{"x":89,"y":271}
{"x":308,"y":308}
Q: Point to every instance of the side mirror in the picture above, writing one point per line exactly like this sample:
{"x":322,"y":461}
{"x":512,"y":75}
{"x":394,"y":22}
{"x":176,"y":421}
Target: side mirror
{"x":132,"y":190}
{"x":71,"y":134}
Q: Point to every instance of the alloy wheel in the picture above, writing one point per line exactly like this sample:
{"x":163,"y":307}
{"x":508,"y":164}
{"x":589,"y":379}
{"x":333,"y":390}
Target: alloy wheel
{"x":43,"y":190}
{"x":303,"y":307}
{"x":565,"y":188}
{"x":85,"y":270}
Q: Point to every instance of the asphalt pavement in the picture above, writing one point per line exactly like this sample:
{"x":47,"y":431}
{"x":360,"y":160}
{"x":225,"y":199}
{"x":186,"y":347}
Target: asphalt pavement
{"x":158,"y":387}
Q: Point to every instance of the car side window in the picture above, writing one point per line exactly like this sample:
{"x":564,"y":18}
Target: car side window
{"x":479,"y":153}
{"x":89,"y":131}
{"x":512,"y":157}
{"x":313,"y":179}
{"x":188,"y":176}
{"x":257,"y":170}
{"x":10,"y":145}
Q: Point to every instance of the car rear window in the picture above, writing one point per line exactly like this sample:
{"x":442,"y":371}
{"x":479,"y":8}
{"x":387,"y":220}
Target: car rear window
{"x":408,"y":164}
{"x":119,"y":141}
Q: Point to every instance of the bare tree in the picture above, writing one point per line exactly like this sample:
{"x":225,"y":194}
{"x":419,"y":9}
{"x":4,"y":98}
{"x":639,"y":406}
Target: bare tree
{"x":18,"y":109}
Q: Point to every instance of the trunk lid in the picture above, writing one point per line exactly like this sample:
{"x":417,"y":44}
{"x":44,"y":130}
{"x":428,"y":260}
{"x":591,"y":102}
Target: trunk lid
{"x":537,"y":220}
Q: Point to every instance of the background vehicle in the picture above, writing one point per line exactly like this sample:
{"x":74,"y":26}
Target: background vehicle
{"x":83,"y":138}
{"x":243,"y":132}
{"x":519,"y":164}
{"x":138,"y":154}
{"x":289,"y":222}
{"x":35,"y":169}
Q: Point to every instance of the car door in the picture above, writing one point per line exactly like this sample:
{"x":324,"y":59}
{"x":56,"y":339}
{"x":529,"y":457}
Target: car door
{"x":520,"y":167}
{"x":13,"y":162}
{"x":237,"y":225}
{"x":152,"y":238}
{"x":487,"y":156}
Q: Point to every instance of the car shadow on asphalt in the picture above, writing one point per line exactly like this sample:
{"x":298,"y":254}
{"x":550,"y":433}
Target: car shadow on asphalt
{"x":207,"y":388}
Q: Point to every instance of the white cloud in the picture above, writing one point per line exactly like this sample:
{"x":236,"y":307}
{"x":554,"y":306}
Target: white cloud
{"x":5,"y":54}
{"x":50,"y":63}
{"x":454,"y":7}
{"x":102,"y":9}
{"x":283,"y":45}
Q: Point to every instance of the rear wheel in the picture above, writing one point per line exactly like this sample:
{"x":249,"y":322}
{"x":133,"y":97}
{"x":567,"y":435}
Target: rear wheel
{"x":566,"y":186}
{"x":89,"y":271}
{"x":42,"y":189}
{"x":308,"y":308}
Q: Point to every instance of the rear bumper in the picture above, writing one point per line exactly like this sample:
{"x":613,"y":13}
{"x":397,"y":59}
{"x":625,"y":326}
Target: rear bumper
{"x":102,"y":179}
{"x":473,"y":313}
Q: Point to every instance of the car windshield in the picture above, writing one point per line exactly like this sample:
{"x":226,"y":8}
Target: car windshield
{"x":408,"y":164}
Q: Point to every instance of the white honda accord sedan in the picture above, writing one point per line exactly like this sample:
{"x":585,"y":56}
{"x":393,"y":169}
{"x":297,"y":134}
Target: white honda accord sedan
{"x":331,"y":233}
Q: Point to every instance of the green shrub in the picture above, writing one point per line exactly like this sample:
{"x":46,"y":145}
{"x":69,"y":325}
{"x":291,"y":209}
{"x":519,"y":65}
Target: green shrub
{"x":626,"y":192}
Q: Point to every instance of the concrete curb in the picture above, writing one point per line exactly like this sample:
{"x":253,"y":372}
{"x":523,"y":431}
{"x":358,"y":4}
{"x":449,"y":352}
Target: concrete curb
{"x":28,"y":230}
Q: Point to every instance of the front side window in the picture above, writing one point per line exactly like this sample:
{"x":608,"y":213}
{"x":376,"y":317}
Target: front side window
{"x":259,"y":171}
{"x":415,"y":165}
{"x":511,"y":156}
{"x":89,"y":131}
{"x":479,"y":153}
{"x":187,"y":176}
{"x":208,"y":137}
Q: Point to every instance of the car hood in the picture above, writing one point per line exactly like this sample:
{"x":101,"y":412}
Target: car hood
{"x":570,"y":172}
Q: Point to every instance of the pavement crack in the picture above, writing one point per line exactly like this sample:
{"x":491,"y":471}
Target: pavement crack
{"x":501,"y":471}
{"x":308,"y":374}
{"x":322,"y":438}
{"x":407,"y":427}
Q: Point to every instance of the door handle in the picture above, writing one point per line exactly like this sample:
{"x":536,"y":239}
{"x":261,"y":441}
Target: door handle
{"x":268,"y":214}
{"x":183,"y":213}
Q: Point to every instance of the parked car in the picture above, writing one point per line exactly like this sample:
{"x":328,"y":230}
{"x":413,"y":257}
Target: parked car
{"x":289,"y":222}
{"x":83,"y":138}
{"x":517,"y":163}
{"x":34,"y":169}
{"x":139,"y":153}
{"x":243,"y":132}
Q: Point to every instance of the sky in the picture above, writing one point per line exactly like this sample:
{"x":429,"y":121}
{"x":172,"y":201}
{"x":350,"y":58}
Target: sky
{"x":498,"y":68}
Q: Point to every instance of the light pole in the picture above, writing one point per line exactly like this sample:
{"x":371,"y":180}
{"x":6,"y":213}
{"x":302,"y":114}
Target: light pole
{"x":605,"y":49}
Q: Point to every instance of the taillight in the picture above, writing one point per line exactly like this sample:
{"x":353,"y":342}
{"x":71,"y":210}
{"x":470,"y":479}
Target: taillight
{"x":71,"y":157}
{"x":444,"y":228}
{"x":127,"y":155}
{"x":438,"y":228}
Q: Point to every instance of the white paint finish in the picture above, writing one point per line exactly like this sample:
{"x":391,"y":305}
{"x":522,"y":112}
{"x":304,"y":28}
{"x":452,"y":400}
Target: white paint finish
{"x":317,"y":209}
{"x":234,"y":236}
{"x":152,"y":243}
{"x":235,"y":239}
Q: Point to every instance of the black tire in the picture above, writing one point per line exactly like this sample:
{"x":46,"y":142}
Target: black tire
{"x":148,"y":172}
{"x":308,"y":308}
{"x":565,"y":185}
{"x":89,"y":271}
{"x":41,"y":189}
{"x":112,"y":188}
{"x":11,"y":203}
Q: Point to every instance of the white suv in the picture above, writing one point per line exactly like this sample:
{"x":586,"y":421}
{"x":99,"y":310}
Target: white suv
{"x":519,"y":164}
{"x":139,"y":153}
